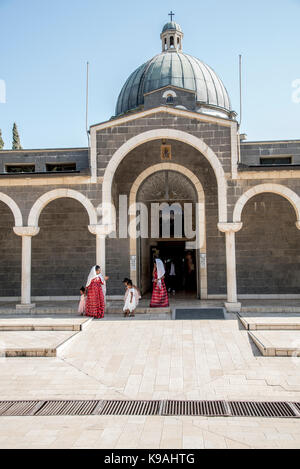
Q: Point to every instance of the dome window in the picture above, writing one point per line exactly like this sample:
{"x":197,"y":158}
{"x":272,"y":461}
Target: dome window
{"x":171,"y":41}
{"x":170,"y":99}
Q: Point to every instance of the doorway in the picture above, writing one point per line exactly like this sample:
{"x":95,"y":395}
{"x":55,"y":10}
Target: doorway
{"x":180,"y":264}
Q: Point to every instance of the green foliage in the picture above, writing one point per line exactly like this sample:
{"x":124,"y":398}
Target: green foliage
{"x":16,"y":144}
{"x":1,"y":141}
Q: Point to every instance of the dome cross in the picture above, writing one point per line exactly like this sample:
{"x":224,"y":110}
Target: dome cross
{"x":171,"y":14}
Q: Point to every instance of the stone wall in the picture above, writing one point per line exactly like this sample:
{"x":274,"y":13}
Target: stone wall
{"x":39,"y":158}
{"x":64,"y":251}
{"x":268,"y":247}
{"x":11,"y":255}
{"x":251,"y":152}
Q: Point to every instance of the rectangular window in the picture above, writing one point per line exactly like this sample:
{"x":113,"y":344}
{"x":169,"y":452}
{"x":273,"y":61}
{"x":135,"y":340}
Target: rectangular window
{"x":276,"y":161}
{"x":20,"y":168}
{"x":56,"y":167}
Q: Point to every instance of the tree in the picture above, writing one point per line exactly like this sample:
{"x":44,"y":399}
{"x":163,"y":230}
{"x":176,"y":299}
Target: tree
{"x":1,"y":141}
{"x":16,"y":144}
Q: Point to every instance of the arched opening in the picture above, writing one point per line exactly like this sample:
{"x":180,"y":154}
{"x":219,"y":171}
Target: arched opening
{"x":268,"y":247}
{"x":145,"y":157}
{"x":170,"y":199}
{"x":10,"y":256}
{"x":56,"y":270}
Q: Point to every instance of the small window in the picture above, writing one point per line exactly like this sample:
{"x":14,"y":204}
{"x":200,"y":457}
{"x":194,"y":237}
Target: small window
{"x":276,"y":161}
{"x":171,"y":41}
{"x":56,"y":167}
{"x":170,"y":99}
{"x":20,"y":168}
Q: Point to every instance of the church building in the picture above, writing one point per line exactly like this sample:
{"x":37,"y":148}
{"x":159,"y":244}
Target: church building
{"x":173,"y":142}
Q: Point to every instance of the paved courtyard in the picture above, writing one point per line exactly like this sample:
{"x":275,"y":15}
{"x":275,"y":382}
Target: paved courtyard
{"x":157,"y":359}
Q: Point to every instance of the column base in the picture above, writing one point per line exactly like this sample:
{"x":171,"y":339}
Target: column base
{"x":25,"y":308}
{"x":233,"y":307}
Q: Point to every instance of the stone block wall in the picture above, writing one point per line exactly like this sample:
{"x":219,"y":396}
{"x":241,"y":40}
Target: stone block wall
{"x":64,"y":251}
{"x":268,"y":247}
{"x":10,"y":256}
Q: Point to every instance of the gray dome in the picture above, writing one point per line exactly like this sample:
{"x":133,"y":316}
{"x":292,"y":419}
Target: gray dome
{"x":171,"y":26}
{"x":177,"y":69}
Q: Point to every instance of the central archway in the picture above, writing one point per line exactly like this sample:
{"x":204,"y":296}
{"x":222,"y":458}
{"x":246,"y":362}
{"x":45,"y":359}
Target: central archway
{"x":172,"y":134}
{"x":201,"y":235}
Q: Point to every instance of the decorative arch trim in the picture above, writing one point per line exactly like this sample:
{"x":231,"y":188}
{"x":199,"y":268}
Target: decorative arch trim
{"x":48,"y":197}
{"x":201,"y":215}
{"x":13,"y":207}
{"x":278,"y":189}
{"x":173,"y":134}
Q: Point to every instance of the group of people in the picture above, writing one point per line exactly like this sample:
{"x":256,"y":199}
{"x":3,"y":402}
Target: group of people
{"x":92,"y":300}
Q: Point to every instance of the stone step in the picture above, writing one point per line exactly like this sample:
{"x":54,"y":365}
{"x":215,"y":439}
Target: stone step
{"x":270,"y":322}
{"x":43,"y":324}
{"x":270,"y":309}
{"x":34,"y":343}
{"x":277,"y":343}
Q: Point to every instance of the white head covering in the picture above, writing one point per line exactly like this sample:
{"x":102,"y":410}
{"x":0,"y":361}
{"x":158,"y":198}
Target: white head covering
{"x":160,"y":268}
{"x":91,"y":276}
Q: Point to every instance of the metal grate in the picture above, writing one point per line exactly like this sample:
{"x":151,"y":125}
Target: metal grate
{"x":261,"y":409}
{"x":67,"y":408}
{"x":205,"y":408}
{"x":129,"y":408}
{"x":12,"y":408}
{"x":216,"y":408}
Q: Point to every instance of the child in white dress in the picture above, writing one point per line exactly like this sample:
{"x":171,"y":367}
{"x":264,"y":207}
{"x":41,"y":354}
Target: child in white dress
{"x":81,"y":306}
{"x":130,"y":300}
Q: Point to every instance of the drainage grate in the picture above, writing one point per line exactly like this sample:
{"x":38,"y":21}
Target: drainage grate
{"x":155,"y":407}
{"x":11,"y":408}
{"x":129,"y":408}
{"x":261,"y":409}
{"x":205,"y":408}
{"x":67,"y":408}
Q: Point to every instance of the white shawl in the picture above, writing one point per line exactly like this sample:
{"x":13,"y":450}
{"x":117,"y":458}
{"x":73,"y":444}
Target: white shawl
{"x":94,"y":275}
{"x":160,"y":271}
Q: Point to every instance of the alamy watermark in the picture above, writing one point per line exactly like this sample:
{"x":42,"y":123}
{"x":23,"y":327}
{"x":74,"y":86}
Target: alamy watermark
{"x":153,"y":220}
{"x":2,"y":92}
{"x":296,"y":93}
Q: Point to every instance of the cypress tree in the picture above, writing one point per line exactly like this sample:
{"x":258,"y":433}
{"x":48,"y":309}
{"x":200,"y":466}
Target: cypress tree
{"x":1,"y":141}
{"x":16,"y":144}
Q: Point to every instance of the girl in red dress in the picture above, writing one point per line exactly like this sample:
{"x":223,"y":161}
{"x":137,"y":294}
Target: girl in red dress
{"x":95,"y":303}
{"x":159,"y":295}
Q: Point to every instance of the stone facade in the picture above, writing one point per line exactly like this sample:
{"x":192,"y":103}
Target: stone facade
{"x":64,"y":248}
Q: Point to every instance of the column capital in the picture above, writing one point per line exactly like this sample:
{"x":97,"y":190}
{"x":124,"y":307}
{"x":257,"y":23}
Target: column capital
{"x":100,"y":230}
{"x":230,"y":227}
{"x":26,"y":230}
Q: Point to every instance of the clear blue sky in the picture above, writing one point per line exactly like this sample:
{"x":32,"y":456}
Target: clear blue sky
{"x":45,"y":45}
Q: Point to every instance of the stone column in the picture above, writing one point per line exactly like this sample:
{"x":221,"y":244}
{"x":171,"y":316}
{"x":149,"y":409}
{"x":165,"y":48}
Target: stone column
{"x":101,"y":232}
{"x":230,"y":229}
{"x":26,"y":232}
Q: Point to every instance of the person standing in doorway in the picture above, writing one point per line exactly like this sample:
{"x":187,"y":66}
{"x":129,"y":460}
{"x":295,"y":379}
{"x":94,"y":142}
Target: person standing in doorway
{"x":159,"y":297}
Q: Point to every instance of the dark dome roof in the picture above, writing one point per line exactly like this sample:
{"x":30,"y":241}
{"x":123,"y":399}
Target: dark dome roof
{"x":171,"y":26}
{"x":177,"y":69}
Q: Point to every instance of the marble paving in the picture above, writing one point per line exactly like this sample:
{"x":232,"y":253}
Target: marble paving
{"x":157,"y":359}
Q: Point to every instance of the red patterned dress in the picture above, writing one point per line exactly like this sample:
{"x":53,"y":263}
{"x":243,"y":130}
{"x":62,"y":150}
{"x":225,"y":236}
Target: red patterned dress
{"x":95,"y":303}
{"x":159,"y":297}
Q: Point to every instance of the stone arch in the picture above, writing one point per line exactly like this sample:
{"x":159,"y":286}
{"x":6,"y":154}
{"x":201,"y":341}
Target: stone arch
{"x":172,"y":134}
{"x":278,"y":189}
{"x":45,"y":199}
{"x":13,"y":207}
{"x":201,"y":214}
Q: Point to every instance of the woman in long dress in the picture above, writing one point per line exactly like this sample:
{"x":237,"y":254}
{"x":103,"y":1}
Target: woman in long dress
{"x":95,"y":303}
{"x":159,"y":297}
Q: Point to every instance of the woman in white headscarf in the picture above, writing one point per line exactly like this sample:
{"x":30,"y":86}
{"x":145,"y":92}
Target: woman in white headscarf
{"x":95,"y":303}
{"x":159,"y":297}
